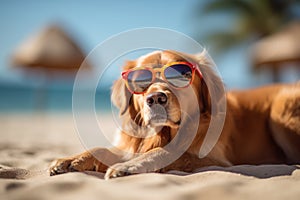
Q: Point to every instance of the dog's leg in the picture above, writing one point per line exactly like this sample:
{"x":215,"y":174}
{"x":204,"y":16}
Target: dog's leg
{"x":146,"y":162}
{"x":154,"y":159}
{"x":86,"y":161}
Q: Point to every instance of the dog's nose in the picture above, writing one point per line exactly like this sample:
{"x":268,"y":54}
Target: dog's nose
{"x":157,"y":98}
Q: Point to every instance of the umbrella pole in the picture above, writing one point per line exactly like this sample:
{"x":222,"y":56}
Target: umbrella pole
{"x":41,"y":94}
{"x":41,"y":99}
{"x":275,"y":73}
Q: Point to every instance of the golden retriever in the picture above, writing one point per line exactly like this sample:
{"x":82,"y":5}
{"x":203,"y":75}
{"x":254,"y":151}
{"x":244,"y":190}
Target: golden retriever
{"x":262,"y":125}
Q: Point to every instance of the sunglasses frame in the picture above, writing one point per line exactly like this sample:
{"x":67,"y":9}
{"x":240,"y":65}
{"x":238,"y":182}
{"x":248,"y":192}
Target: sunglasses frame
{"x":161,"y":71}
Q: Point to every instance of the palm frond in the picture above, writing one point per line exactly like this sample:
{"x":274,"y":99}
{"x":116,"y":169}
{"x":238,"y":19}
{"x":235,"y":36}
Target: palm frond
{"x":222,"y":41}
{"x":251,"y":19}
{"x":228,"y":6}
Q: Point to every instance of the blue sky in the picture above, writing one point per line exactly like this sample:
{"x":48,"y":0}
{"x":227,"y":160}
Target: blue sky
{"x":91,"y":22}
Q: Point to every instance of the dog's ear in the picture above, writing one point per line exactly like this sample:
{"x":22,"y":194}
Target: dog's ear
{"x":120,"y":96}
{"x":211,"y":84}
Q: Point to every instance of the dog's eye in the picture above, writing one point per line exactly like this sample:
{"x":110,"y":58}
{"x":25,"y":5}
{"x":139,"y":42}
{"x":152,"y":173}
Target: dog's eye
{"x":178,"y":75}
{"x":139,"y":80}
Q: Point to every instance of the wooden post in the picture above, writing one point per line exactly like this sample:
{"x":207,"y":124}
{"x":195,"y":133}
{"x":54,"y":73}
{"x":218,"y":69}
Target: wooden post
{"x":275,"y":69}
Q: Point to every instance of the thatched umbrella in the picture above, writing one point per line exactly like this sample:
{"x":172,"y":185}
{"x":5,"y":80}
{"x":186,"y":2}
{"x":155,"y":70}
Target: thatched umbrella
{"x":278,"y":49}
{"x":51,"y":50}
{"x":51,"y":53}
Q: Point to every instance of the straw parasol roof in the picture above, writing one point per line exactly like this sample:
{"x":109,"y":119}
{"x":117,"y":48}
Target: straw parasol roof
{"x":49,"y":54}
{"x":279,"y":48}
{"x":50,"y":50}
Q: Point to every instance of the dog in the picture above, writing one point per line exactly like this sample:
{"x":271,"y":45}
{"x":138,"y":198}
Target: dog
{"x":166,"y":100}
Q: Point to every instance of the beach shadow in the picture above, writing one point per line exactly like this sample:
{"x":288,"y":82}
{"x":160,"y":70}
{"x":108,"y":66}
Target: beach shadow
{"x":258,"y":171}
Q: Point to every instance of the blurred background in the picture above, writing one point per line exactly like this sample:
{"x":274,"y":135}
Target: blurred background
{"x":43,"y":43}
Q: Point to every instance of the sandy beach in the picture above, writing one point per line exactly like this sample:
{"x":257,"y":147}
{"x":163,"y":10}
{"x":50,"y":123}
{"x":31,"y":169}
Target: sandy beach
{"x":30,"y":141}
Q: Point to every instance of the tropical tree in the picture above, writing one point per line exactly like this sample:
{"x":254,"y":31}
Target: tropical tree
{"x":251,"y":19}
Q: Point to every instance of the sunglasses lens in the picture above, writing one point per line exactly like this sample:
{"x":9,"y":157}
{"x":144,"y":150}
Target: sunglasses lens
{"x":179,"y":75}
{"x":139,"y":80}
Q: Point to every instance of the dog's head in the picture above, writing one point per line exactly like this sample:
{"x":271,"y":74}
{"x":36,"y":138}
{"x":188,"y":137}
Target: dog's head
{"x":158,"y":104}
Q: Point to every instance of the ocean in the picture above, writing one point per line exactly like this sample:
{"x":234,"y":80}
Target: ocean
{"x":23,"y":99}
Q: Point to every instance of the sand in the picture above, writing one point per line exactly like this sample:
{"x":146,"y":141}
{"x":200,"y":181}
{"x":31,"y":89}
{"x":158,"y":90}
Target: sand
{"x":30,"y":141}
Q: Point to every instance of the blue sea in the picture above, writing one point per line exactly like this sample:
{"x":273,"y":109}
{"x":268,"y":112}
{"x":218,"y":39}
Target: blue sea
{"x":24,"y":98}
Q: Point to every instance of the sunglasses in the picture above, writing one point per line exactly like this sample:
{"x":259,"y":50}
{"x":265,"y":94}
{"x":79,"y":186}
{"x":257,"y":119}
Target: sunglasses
{"x":176,"y":74}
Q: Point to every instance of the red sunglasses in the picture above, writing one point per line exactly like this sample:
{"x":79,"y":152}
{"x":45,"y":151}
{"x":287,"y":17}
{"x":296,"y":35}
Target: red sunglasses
{"x":177,"y":74}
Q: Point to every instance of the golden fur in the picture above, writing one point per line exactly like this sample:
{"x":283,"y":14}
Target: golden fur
{"x":262,"y":125}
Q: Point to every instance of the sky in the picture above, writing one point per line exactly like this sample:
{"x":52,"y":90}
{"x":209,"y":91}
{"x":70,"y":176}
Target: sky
{"x":91,"y":22}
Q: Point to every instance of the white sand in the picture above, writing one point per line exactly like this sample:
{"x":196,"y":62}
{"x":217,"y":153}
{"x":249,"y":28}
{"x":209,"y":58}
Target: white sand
{"x":29,"y":142}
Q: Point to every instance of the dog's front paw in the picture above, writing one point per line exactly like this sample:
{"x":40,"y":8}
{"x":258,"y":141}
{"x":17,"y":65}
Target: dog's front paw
{"x":77,"y":164}
{"x":60,"y":166}
{"x":120,"y":169}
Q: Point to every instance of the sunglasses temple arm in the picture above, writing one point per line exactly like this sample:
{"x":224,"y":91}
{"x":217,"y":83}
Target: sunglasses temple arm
{"x":199,"y":72}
